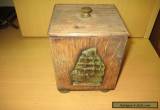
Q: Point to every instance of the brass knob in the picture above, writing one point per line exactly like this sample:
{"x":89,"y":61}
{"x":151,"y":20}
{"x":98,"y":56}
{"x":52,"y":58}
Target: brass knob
{"x":86,"y":12}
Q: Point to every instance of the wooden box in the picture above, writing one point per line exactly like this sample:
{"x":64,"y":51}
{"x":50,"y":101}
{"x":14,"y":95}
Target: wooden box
{"x":88,"y":44}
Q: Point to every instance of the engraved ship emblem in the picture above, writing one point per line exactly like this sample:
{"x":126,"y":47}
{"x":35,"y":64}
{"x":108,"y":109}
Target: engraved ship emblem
{"x":89,"y":69}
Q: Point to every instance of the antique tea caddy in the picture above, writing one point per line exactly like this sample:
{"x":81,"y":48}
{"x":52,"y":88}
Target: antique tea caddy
{"x":88,"y":43}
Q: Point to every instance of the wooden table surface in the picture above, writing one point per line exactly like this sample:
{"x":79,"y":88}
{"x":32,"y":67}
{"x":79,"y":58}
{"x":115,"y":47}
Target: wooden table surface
{"x":27,"y":79}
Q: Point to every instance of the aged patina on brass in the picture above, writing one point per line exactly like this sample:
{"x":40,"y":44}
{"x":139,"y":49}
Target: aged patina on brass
{"x":89,"y":69}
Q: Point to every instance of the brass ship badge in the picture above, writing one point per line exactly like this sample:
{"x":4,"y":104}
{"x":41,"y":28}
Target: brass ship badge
{"x":89,"y":69}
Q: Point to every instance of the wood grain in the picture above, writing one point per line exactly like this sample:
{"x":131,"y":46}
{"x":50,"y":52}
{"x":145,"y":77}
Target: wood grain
{"x":66,"y":52}
{"x":70,"y":34}
{"x":104,"y":21}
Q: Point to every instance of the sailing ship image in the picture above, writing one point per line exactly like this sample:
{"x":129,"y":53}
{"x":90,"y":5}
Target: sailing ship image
{"x":89,"y":69}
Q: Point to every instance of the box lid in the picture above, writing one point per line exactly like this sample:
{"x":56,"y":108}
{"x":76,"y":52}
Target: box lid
{"x":86,"y":20}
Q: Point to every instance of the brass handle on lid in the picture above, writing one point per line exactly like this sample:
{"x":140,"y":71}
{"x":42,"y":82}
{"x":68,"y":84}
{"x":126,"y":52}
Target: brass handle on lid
{"x":86,"y":12}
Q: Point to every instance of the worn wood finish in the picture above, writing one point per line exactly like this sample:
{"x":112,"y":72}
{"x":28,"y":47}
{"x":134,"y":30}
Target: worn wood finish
{"x":66,"y":52}
{"x":70,"y":34}
{"x":104,"y":20}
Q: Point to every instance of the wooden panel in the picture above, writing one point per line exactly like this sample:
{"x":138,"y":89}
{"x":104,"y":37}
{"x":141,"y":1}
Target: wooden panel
{"x":104,"y":20}
{"x":34,"y":16}
{"x":67,"y":50}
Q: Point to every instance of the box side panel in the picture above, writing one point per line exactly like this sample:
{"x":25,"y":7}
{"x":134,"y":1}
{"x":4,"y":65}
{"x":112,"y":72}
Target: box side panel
{"x":66,"y":52}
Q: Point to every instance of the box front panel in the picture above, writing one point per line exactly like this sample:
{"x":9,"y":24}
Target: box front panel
{"x":87,"y":63}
